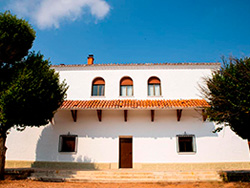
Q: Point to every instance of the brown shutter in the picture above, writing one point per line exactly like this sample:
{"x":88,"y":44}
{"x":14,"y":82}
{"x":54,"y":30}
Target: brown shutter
{"x":98,"y":81}
{"x":126,"y":81}
{"x":154,"y":80}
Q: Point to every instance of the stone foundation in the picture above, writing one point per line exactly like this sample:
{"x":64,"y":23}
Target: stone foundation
{"x":138,"y":166}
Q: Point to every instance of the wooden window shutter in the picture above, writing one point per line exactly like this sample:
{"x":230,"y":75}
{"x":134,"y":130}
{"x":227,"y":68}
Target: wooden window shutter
{"x":154,"y":80}
{"x":126,"y":81}
{"x":98,"y":81}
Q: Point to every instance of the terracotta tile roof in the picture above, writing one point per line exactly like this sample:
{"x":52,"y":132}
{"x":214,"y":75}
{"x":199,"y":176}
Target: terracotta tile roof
{"x":133,"y":104}
{"x":132,"y":64}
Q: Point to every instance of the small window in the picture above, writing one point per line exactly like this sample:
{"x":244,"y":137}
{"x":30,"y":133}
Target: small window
{"x":67,"y":143}
{"x":154,"y":86}
{"x":126,"y":86}
{"x":98,"y":87}
{"x":186,"y":143}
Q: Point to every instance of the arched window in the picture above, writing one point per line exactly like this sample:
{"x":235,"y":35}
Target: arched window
{"x":126,"y":86}
{"x":98,"y":87}
{"x":154,"y":86}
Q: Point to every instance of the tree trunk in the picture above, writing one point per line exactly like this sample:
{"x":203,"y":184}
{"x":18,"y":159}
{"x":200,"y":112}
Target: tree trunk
{"x":2,"y":154}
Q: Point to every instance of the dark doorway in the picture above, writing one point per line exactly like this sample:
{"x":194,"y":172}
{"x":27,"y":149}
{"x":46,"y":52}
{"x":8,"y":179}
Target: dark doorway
{"x":125,"y":155}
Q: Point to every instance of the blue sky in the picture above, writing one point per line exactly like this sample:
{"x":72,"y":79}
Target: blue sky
{"x":136,"y":31}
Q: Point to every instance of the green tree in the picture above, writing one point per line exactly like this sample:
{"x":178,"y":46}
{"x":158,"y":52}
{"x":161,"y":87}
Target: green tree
{"x":228,"y":93}
{"x":30,"y":91}
{"x":16,"y":38}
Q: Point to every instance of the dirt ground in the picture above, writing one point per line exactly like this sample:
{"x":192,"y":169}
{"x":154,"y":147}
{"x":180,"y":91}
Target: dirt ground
{"x":38,"y":184}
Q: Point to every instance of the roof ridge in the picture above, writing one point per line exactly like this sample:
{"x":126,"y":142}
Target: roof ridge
{"x":135,"y":64}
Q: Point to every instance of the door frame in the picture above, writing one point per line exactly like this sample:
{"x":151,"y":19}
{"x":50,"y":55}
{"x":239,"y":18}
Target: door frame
{"x":128,"y":137}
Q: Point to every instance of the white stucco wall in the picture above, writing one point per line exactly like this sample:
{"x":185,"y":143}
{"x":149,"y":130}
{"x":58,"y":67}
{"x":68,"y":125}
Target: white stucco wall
{"x":177,"y":82}
{"x":153,"y":142}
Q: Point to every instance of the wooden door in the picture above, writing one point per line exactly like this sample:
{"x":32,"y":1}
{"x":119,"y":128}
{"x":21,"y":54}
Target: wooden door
{"x":126,"y":160}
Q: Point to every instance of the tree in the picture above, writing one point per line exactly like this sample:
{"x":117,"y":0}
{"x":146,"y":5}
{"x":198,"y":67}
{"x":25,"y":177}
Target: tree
{"x":16,"y":38}
{"x":30,"y":91}
{"x":228,"y":93}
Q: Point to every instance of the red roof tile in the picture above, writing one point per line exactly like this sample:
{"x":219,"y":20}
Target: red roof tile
{"x":133,"y":104}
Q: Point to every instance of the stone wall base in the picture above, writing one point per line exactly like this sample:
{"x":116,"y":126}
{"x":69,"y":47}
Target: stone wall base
{"x":137,"y":166}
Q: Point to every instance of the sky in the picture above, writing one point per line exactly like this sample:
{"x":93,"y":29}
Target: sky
{"x":136,"y":31}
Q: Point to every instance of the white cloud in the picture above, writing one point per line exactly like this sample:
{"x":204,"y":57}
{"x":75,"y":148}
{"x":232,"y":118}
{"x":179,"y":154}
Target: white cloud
{"x":50,"y":13}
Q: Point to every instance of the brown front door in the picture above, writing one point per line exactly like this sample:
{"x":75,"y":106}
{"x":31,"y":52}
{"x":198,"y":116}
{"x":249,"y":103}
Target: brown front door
{"x":126,"y":153}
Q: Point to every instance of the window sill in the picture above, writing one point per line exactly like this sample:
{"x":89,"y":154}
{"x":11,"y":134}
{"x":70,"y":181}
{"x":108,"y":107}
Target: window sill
{"x":186,"y":153}
{"x":65,"y":152}
{"x":156,"y":96}
{"x":126,"y":97}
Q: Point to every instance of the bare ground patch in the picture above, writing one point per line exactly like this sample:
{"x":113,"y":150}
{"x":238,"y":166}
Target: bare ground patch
{"x":38,"y":184}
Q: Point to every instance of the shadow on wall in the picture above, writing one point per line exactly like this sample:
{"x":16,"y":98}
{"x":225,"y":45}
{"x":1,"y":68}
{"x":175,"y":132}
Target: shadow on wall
{"x":112,"y":126}
{"x":138,"y":124}
{"x":48,"y":147}
{"x":48,"y":155}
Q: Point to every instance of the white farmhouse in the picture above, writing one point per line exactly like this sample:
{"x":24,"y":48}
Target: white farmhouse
{"x":140,"y":116}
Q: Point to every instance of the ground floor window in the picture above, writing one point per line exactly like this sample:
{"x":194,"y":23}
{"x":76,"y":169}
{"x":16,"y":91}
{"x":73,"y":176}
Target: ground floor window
{"x":67,"y":143}
{"x":185,"y":143}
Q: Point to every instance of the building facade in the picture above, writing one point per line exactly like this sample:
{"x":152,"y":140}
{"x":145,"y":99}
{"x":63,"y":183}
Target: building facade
{"x":141,"y":116}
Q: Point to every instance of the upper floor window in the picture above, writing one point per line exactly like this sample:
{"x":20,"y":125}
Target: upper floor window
{"x":98,"y":87}
{"x":154,"y":86}
{"x":126,"y":86}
